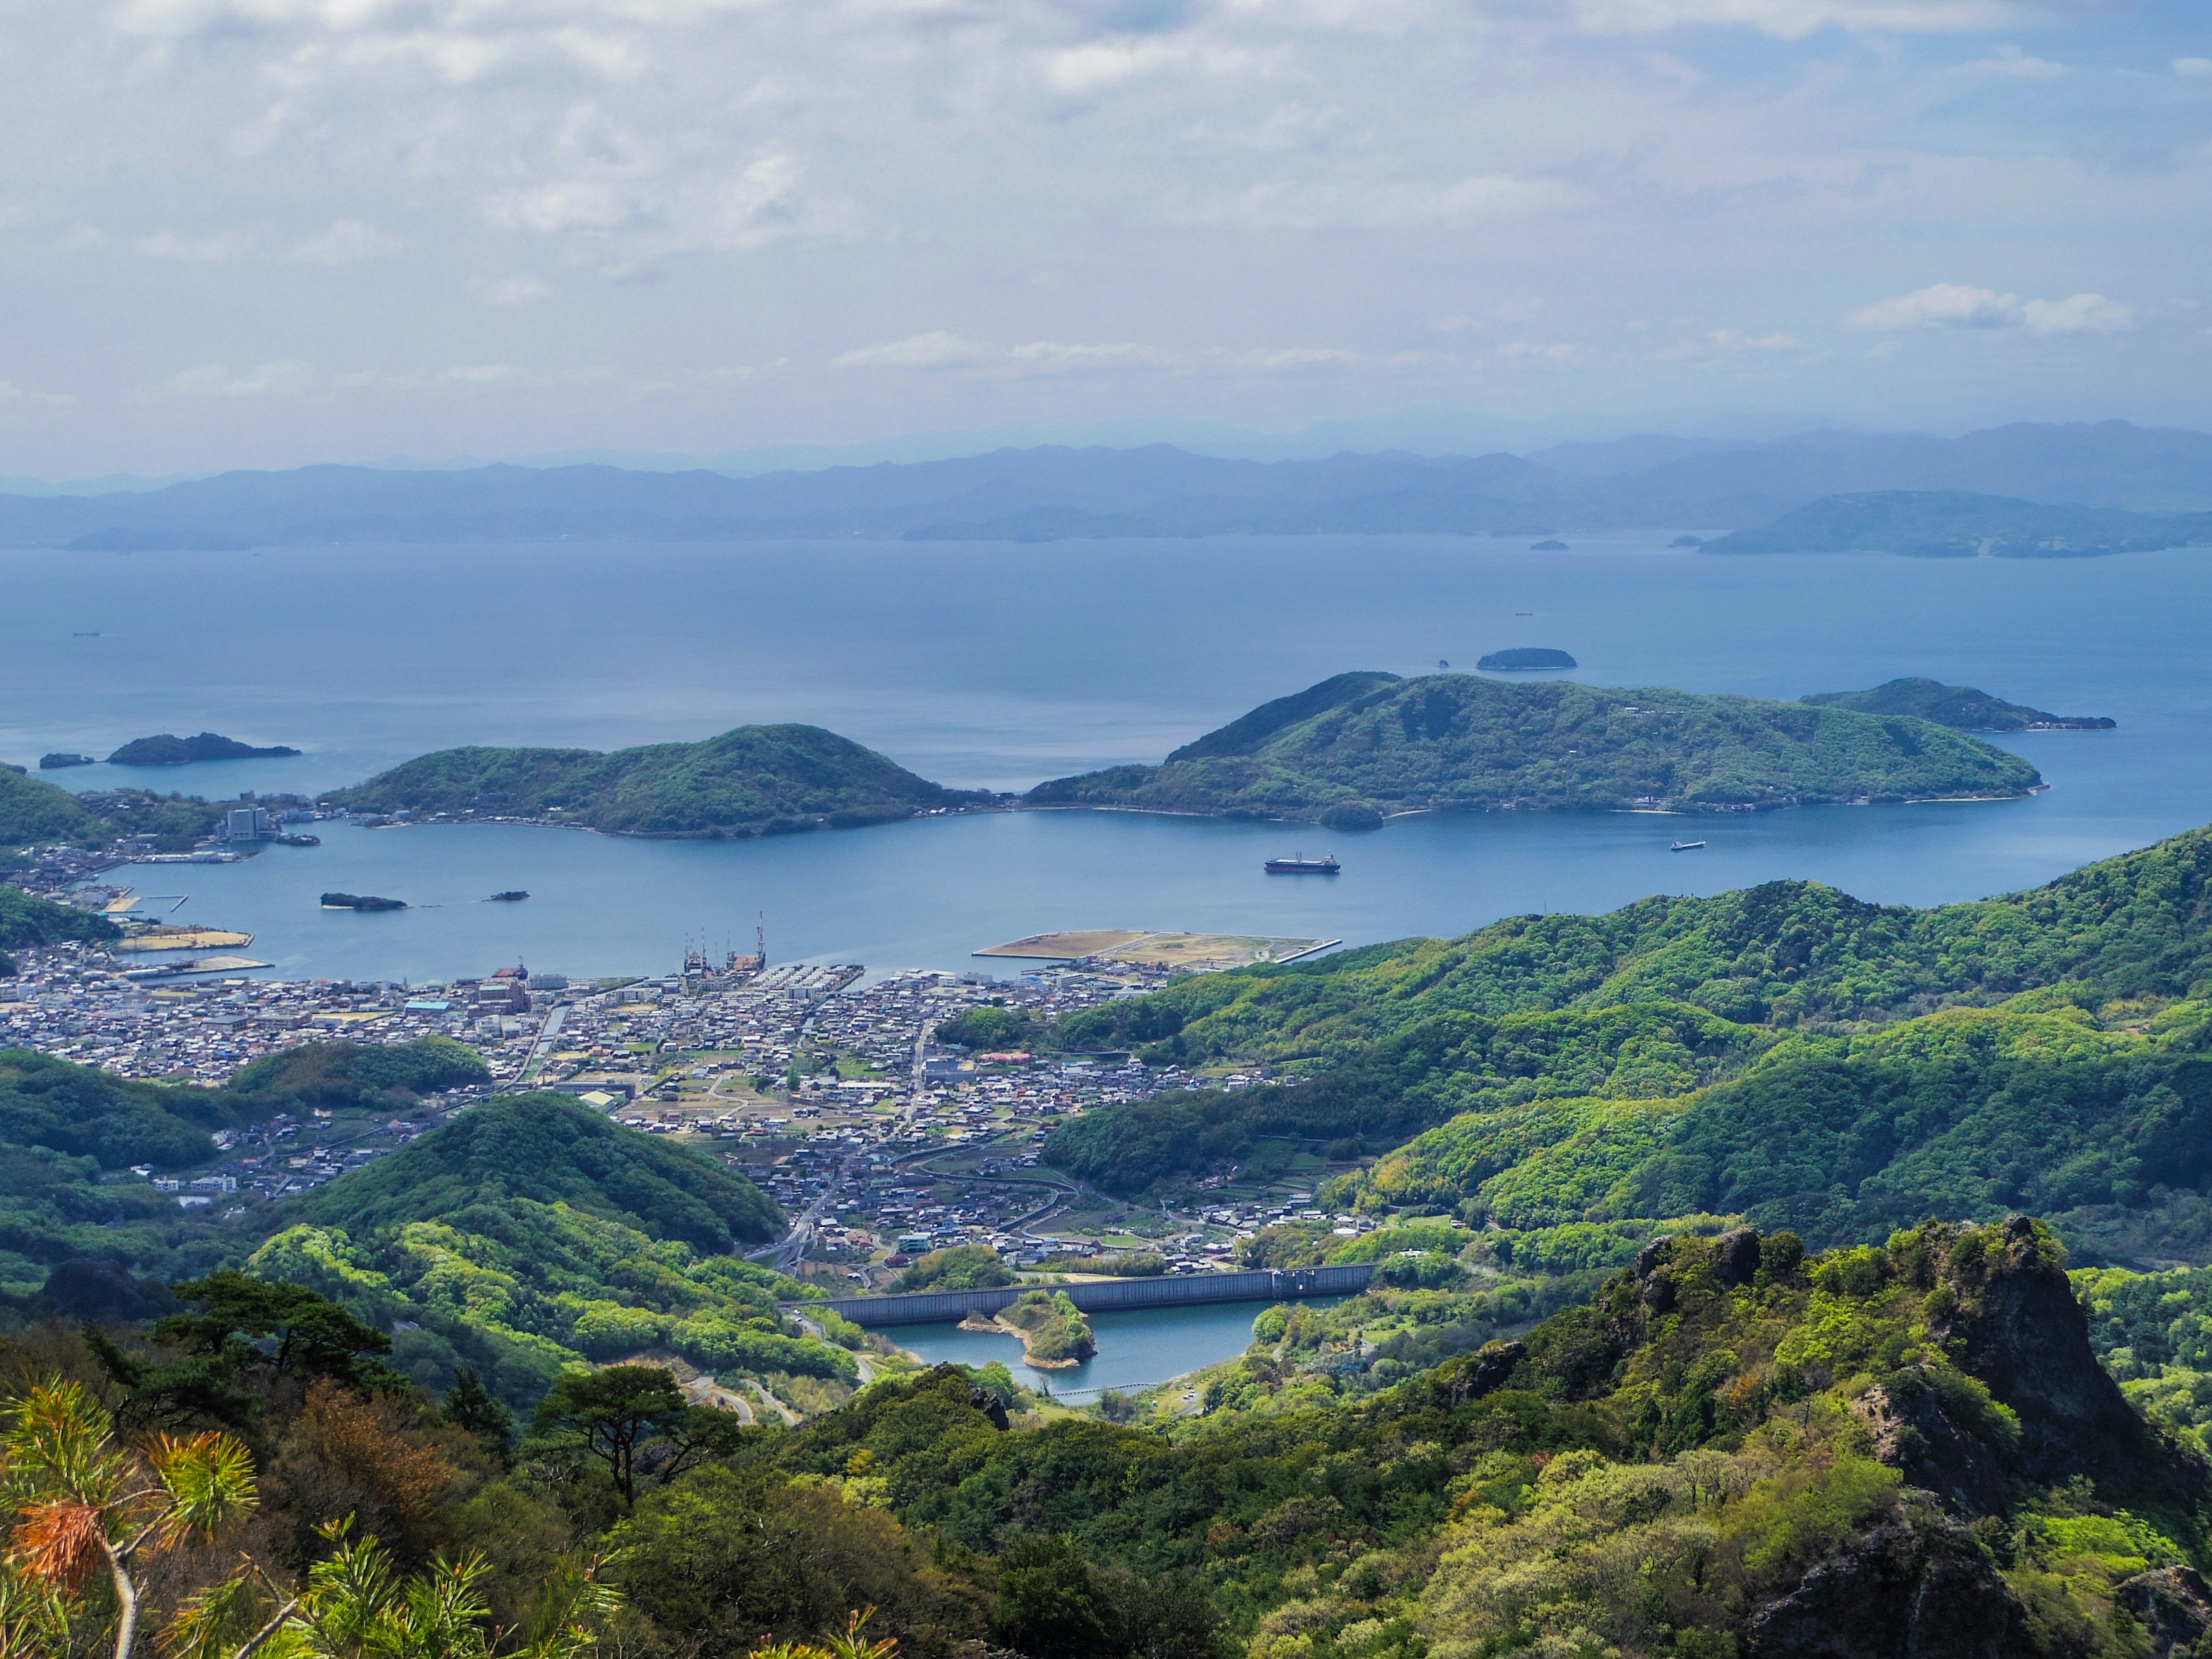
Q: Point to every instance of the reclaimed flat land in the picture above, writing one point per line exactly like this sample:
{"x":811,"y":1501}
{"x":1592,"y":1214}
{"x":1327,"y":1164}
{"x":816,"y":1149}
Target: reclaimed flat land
{"x":1195,"y":950}
{"x":183,"y":938}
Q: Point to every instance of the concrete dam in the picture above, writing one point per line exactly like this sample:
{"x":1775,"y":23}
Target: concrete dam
{"x":1108,"y":1295}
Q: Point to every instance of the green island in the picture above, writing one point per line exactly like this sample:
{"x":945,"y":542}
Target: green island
{"x":752,"y":780}
{"x":59,"y":759}
{"x":360,"y":902}
{"x":1949,"y":524}
{"x":1359,"y":747}
{"x":168,"y":749}
{"x":1961,"y":707}
{"x":1055,"y":1336}
{"x":1521,"y":659}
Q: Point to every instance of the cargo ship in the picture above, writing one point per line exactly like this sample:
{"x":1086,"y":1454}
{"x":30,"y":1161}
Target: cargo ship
{"x":1301,"y":866}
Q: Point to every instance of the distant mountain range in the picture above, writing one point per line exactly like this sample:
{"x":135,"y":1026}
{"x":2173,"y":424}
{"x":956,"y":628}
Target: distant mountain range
{"x":1054,"y":494}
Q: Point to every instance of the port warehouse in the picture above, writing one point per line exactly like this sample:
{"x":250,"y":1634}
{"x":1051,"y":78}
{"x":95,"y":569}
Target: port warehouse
{"x":1106,"y":1295}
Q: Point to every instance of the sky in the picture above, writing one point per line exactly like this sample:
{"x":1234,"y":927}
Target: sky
{"x":266,"y":232}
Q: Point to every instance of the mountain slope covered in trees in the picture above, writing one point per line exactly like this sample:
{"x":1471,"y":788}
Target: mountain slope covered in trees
{"x":753,"y":780}
{"x":1355,"y":749}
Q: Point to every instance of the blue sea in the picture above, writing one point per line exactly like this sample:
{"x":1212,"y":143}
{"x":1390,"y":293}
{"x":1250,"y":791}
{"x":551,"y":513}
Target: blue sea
{"x":998,"y":666}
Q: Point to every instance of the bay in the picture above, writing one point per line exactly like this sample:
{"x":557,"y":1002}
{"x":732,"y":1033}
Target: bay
{"x":997,"y":666}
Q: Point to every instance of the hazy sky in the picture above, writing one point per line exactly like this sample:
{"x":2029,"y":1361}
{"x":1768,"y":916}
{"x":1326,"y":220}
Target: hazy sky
{"x":264,"y":232}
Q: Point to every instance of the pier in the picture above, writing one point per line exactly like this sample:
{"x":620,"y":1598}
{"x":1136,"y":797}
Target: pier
{"x":1106,"y":1295}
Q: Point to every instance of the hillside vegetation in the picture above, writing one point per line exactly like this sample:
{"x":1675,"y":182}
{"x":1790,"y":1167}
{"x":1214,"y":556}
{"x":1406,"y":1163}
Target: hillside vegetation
{"x":754,"y":779}
{"x":1959,"y":706}
{"x":28,"y":920}
{"x":1786,"y":1053}
{"x":1355,"y":749}
{"x":1908,"y":1448}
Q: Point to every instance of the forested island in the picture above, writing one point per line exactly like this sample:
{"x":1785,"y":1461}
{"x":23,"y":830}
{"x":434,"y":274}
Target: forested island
{"x":1522,"y":658}
{"x":1359,"y":747}
{"x":1961,"y":707}
{"x":751,"y":781}
{"x":168,"y":749}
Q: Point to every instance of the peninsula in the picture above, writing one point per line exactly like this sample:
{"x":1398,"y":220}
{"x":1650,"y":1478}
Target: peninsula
{"x":1961,"y":707}
{"x":168,"y":749}
{"x":1360,"y":747}
{"x":751,"y":781}
{"x":1055,"y":1336}
{"x":59,"y":759}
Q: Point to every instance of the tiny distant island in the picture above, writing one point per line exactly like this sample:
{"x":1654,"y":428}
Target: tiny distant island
{"x":58,"y":760}
{"x":1961,"y":707}
{"x":512,"y":895}
{"x":361,"y":902}
{"x":751,"y":781}
{"x":167,"y":750}
{"x":1362,"y":747}
{"x":1687,"y":541}
{"x":1549,"y":544}
{"x":1055,"y":1336}
{"x":1525,"y":658}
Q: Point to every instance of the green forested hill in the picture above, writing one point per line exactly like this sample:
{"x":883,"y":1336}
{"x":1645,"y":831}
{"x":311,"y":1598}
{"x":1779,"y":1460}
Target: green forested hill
{"x":1961,"y":707}
{"x":1785,"y":1053}
{"x":1735,"y":1449}
{"x":548,"y":1149}
{"x":27,"y":919}
{"x":1357,"y":748}
{"x":33,"y":813}
{"x":754,"y":779}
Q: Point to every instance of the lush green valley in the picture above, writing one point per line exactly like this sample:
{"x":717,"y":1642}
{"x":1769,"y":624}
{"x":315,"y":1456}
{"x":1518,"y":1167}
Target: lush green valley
{"x":1355,"y":749}
{"x":754,"y":779}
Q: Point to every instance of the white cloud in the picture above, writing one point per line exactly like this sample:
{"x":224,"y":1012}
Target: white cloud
{"x":1792,"y":19}
{"x":2082,"y":313}
{"x":1729,"y":339}
{"x":82,"y":239}
{"x":937,"y":349}
{"x":2011,"y":61}
{"x":347,"y":242}
{"x":12,"y":393}
{"x":1953,"y":304}
{"x":285,"y":376}
{"x":216,"y":248}
{"x":1053,"y":355}
{"x":2193,"y":66}
{"x":509,"y":290}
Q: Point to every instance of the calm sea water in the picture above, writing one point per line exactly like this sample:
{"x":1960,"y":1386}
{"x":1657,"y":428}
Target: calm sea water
{"x":999,"y":666}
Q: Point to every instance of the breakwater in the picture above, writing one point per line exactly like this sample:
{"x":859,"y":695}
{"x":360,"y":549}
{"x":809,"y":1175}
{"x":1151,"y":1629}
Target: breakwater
{"x":1108,"y":1295}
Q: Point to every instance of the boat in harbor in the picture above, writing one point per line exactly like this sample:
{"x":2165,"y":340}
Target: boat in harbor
{"x":1301,"y":866}
{"x":1685,"y":847}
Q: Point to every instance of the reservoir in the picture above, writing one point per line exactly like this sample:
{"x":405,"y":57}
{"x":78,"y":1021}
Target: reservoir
{"x":1136,"y":1349}
{"x":1000,"y":665}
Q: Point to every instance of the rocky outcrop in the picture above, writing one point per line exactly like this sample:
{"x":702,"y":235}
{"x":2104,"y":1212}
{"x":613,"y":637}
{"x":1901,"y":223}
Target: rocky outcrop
{"x":1914,"y":1434}
{"x":2015,"y":1325}
{"x":2172,"y":1605}
{"x":1903,"y":1591}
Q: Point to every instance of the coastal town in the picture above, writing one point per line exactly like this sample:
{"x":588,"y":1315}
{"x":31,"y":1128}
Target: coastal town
{"x":823,"y":1083}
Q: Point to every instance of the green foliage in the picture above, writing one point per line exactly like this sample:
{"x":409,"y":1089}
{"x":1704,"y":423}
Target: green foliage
{"x":962,"y":1267}
{"x":34,"y":812}
{"x":755,"y":780}
{"x":332,"y":1075}
{"x":1053,"y":1329}
{"x":27,"y":919}
{"x":1959,"y":706}
{"x":548,"y":1149}
{"x":624,"y":1413}
{"x":1458,"y":741}
{"x":987,"y":1026}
